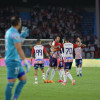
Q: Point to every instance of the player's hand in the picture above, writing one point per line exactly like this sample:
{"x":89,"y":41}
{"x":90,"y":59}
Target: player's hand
{"x":27,"y":65}
{"x":24,"y":32}
{"x":83,"y":45}
{"x":31,"y":62}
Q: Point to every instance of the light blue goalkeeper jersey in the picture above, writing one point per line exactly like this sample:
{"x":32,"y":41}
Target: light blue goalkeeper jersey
{"x":12,"y":36}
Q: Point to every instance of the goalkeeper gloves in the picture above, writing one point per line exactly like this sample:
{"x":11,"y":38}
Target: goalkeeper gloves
{"x":27,"y":65}
{"x":24,"y":32}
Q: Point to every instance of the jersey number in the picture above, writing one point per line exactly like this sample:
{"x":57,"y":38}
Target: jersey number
{"x":39,"y":52}
{"x":69,"y":50}
{"x":16,"y":70}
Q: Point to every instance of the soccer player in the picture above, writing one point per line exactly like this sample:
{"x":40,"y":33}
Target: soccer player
{"x":13,"y":53}
{"x":53,"y":59}
{"x":78,"y":57}
{"x":68,"y":59}
{"x":39,"y":51}
{"x":61,"y":66}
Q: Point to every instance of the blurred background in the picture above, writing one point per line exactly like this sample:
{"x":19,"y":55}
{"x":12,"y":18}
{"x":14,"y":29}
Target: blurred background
{"x":46,"y":19}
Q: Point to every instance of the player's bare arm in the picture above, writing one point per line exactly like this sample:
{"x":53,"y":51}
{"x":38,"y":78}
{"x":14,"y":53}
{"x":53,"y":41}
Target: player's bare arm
{"x":47,"y":54}
{"x":31,"y":58}
{"x":83,"y":45}
{"x":32,"y":53}
{"x":53,"y":50}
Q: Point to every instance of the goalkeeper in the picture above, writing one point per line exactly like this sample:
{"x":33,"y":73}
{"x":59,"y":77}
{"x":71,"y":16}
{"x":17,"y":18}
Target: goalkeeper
{"x":13,"y":53}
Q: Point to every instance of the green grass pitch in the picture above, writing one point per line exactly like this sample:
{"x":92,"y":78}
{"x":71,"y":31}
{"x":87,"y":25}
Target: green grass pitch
{"x":86,"y":88}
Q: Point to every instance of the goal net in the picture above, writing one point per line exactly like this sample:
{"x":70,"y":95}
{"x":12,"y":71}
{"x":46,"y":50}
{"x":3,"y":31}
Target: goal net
{"x":27,"y":46}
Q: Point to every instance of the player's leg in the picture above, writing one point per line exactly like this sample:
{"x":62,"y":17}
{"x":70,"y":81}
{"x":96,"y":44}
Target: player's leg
{"x":53,"y":61}
{"x":52,"y":75}
{"x":70,"y":77}
{"x":77,"y":70}
{"x":59,"y":70}
{"x":36,"y":78}
{"x":60,"y":75}
{"x":42,"y":70}
{"x":22,"y":81}
{"x":20,"y":85}
{"x":49,"y":69}
{"x":12,"y":73}
{"x":66,"y":67}
{"x":80,"y":67}
{"x":43,"y":74}
{"x":65,"y":77}
{"x":61,"y":67}
{"x":48,"y":72}
{"x":13,"y":70}
{"x":35,"y":74}
{"x":62,"y":70}
{"x":77,"y":67}
{"x":8,"y":89}
{"x":54,"y":64}
{"x":68,"y":74}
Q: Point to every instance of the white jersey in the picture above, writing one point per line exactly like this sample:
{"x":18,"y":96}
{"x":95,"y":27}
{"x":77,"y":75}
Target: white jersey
{"x":38,"y":51}
{"x":68,"y":52}
{"x":56,"y":53}
{"x":78,"y":53}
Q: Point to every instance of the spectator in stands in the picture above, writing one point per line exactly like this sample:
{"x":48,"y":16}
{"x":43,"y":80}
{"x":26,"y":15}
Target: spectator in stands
{"x":49,"y":22}
{"x":96,"y":43}
{"x":92,"y":50}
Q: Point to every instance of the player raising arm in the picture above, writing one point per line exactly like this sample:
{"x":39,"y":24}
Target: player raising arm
{"x":53,"y":59}
{"x":13,"y":53}
{"x":39,"y":51}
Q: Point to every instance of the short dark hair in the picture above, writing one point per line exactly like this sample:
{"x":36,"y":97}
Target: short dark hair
{"x":38,"y":40}
{"x":15,"y":20}
{"x":55,"y":37}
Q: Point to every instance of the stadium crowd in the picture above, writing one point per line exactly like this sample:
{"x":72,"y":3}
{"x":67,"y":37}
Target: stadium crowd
{"x":48,"y":22}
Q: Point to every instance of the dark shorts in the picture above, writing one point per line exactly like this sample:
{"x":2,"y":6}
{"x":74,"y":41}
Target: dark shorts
{"x":53,"y":61}
{"x":67,"y":65}
{"x":61,"y":64}
{"x":78,"y":62}
{"x":36,"y":66}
